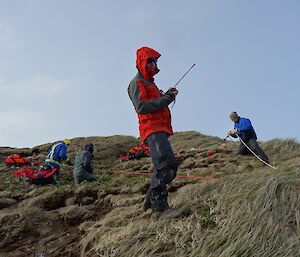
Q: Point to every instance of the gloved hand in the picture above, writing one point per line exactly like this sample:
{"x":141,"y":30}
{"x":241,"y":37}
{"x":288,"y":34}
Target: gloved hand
{"x":232,"y":132}
{"x":173,"y":92}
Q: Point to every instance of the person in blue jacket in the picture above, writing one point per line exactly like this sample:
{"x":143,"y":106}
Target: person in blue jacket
{"x":243,"y":128}
{"x":57,"y":154}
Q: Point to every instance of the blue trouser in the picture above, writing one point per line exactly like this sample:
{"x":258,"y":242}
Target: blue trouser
{"x":165,"y":168}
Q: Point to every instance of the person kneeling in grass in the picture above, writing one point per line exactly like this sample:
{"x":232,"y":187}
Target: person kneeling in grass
{"x":83,"y":170}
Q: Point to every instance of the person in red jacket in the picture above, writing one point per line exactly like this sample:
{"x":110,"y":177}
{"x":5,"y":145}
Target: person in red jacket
{"x":154,"y":118}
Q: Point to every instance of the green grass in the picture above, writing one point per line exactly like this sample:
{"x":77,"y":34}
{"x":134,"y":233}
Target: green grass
{"x":103,"y":165}
{"x":208,"y":223}
{"x":13,"y":184}
{"x":204,"y":210}
{"x":105,"y":177}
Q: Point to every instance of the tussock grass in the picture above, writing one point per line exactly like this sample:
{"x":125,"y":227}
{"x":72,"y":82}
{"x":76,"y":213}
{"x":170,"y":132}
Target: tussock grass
{"x":253,"y":211}
{"x":259,"y":216}
{"x":250,"y":215}
{"x":187,"y":140}
{"x":281,"y":149}
{"x":144,"y":236}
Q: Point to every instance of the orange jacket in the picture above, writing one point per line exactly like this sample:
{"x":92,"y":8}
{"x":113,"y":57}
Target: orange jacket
{"x":141,"y":147}
{"x":16,"y":159}
{"x":150,"y":104}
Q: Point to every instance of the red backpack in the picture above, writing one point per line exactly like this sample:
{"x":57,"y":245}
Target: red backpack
{"x":43,"y":176}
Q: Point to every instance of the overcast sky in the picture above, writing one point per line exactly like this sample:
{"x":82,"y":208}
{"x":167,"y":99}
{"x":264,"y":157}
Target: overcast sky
{"x":65,"y":66}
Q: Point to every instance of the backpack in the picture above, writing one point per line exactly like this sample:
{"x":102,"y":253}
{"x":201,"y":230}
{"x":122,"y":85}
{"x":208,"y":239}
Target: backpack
{"x":138,"y":152}
{"x":43,"y":176}
{"x":16,"y":159}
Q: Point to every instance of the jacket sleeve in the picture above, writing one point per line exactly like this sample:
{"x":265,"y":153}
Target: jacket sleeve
{"x":245,"y":125}
{"x":143,"y":107}
{"x":63,"y":153}
{"x":87,"y":162}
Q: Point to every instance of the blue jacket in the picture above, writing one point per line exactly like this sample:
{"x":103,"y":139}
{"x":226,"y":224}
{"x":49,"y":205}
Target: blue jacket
{"x":244,"y":129}
{"x":56,"y":154}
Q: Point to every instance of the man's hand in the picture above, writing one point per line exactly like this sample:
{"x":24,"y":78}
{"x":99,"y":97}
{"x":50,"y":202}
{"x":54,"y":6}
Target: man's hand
{"x":232,"y":132}
{"x":173,"y":92}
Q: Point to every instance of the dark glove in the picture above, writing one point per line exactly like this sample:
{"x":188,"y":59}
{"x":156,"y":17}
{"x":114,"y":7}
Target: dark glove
{"x":172,"y":92}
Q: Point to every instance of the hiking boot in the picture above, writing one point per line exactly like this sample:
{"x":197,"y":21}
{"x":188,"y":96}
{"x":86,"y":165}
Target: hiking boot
{"x":172,"y":213}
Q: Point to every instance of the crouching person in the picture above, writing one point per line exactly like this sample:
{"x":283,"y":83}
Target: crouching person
{"x":56,"y":155}
{"x":83,"y":169}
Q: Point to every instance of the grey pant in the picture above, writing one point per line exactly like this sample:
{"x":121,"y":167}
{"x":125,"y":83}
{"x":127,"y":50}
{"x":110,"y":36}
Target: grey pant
{"x":165,"y":168}
{"x":254,"y":146}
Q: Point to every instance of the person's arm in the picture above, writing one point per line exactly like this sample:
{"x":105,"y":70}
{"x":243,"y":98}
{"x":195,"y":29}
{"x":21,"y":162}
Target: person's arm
{"x":63,"y":153}
{"x":87,"y":162}
{"x":153,"y":105}
{"x":244,"y":125}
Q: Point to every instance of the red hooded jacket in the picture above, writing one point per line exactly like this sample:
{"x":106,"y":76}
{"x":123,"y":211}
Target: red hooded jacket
{"x":150,"y":104}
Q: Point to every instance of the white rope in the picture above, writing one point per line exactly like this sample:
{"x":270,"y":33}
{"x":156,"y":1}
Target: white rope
{"x":273,"y":167}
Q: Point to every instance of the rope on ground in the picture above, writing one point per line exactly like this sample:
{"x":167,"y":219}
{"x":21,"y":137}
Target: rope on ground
{"x":271,"y":166}
{"x":148,"y":174}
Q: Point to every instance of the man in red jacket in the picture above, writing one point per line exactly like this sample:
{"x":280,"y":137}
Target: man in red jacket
{"x":154,"y":118}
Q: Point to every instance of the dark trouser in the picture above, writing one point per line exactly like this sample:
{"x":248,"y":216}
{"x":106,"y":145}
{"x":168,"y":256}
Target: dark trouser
{"x":43,"y":181}
{"x":41,"y":178}
{"x":165,"y":168}
{"x":254,"y":146}
{"x":84,"y":177}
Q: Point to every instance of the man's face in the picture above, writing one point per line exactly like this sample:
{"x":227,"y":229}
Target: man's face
{"x":234,"y":119}
{"x":151,"y":64}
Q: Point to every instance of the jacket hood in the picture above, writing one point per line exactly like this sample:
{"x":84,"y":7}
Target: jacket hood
{"x":142,"y":55}
{"x":89,"y":148}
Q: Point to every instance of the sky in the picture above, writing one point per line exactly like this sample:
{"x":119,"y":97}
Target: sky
{"x":65,"y":66}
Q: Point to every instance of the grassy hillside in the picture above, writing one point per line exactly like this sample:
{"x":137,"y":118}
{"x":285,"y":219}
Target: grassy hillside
{"x":251,"y":210}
